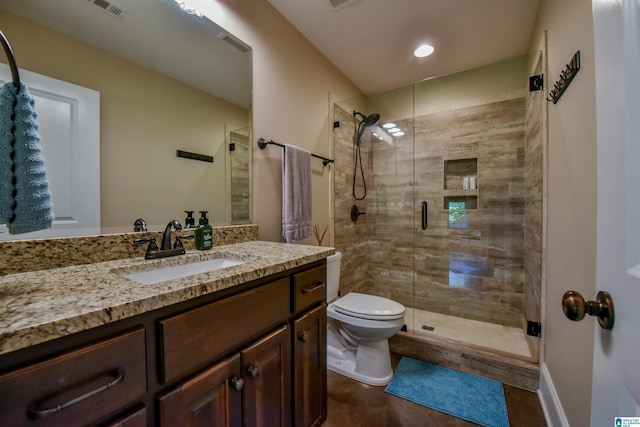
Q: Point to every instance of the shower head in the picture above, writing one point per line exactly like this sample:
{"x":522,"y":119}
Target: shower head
{"x":369,"y":120}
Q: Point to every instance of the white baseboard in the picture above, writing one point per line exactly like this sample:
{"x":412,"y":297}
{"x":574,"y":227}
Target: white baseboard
{"x":551,"y":406}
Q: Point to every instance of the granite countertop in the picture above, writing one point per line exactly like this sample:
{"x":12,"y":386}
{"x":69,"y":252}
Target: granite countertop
{"x":40,"y":306}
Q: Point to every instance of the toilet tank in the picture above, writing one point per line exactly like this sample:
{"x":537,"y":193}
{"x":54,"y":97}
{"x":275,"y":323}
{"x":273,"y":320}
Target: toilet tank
{"x":333,"y":276}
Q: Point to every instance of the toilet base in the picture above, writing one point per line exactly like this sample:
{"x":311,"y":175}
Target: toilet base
{"x":369,"y":363}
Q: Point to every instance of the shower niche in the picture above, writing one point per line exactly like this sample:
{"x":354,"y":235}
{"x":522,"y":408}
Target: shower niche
{"x":460,"y":187}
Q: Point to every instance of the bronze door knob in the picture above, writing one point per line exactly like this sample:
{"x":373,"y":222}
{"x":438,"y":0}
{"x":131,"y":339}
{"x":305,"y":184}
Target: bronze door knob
{"x":575,"y":307}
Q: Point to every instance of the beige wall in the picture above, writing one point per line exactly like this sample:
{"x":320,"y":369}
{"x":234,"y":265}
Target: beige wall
{"x":472,"y":87}
{"x":456,"y":90}
{"x":145,"y":118}
{"x":292,"y":85}
{"x":571,"y":244}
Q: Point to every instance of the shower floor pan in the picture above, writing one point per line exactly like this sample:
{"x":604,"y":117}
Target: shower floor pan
{"x":509,"y":363}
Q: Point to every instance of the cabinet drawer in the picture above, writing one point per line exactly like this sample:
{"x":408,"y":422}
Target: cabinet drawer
{"x":192,"y":339}
{"x":78,"y":387}
{"x":309,"y":288}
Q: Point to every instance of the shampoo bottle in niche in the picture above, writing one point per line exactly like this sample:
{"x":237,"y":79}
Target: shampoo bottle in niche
{"x":204,"y":233}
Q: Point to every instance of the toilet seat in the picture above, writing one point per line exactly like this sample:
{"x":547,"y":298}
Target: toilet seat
{"x":368,"y":307}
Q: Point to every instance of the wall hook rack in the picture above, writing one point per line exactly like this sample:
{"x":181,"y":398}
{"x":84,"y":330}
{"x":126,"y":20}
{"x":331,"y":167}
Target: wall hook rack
{"x":566,"y":76}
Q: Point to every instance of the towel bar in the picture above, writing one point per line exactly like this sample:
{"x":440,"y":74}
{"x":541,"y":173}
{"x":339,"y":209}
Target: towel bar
{"x":262,"y":143}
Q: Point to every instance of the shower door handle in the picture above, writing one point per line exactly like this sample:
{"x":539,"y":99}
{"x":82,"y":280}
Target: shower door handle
{"x":425,"y":218}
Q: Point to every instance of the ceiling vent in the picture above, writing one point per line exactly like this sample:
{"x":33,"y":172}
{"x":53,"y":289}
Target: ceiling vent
{"x":339,"y":4}
{"x":109,"y":7}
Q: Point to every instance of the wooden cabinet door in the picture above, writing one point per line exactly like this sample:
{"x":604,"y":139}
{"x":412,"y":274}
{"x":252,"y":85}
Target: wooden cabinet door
{"x":267,"y":372}
{"x":310,"y":368}
{"x":213,"y":398}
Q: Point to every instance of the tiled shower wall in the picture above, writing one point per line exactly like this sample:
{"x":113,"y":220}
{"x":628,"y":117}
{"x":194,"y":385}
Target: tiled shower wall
{"x":351,"y":238}
{"x":475,"y":271}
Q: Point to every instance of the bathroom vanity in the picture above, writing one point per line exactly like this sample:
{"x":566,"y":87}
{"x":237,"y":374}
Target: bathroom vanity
{"x":237,"y":346}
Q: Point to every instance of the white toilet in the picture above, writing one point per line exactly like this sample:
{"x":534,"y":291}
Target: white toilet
{"x":358,"y":329}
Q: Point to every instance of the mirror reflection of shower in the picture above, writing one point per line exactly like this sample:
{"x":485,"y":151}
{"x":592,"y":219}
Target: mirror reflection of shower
{"x":365,"y":122}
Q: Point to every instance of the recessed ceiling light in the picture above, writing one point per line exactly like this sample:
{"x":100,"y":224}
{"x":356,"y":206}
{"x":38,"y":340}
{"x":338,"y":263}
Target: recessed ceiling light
{"x":394,"y":130}
{"x":424,"y":50}
{"x":398,"y":134}
{"x":389,"y":125}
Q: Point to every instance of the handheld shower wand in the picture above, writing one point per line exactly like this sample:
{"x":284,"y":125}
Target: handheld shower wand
{"x":365,"y":122}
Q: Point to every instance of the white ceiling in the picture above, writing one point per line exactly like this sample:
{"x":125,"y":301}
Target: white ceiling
{"x":372,"y":41}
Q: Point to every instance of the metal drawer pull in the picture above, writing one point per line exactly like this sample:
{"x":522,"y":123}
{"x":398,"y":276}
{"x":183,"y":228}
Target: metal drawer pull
{"x":317,"y":285}
{"x":38,"y":413}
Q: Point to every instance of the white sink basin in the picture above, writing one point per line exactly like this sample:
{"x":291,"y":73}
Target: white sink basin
{"x":151,"y":277}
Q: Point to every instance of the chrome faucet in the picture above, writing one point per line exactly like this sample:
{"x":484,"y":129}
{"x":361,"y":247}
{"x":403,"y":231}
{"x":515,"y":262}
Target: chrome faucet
{"x":166,"y":237}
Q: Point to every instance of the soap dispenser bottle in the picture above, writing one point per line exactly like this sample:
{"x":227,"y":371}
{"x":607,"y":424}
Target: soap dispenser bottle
{"x":189,"y":221}
{"x":204,"y":233}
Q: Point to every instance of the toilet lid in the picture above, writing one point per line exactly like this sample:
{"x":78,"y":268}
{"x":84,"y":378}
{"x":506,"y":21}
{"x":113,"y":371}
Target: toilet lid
{"x":369,"y":307}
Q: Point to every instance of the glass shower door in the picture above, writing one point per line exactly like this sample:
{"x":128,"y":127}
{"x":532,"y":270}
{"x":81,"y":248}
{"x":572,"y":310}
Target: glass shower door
{"x":471,"y":163}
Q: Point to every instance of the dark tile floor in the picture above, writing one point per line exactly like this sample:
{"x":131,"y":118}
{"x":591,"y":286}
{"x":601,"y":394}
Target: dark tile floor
{"x":353,"y":404}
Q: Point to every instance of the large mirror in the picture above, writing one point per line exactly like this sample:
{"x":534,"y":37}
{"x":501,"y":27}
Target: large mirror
{"x":169,"y":81}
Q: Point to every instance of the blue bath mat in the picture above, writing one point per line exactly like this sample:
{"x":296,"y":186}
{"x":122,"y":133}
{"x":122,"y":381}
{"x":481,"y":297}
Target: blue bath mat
{"x":470,"y":397}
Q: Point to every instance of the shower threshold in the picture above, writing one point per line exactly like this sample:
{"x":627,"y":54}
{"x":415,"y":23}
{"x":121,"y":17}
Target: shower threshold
{"x":499,"y":338}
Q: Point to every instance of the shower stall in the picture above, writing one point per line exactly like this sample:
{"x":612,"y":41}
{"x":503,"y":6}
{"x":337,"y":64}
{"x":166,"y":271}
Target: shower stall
{"x":453,"y":171}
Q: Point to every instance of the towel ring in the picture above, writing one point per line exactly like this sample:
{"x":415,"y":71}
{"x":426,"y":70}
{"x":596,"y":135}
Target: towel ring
{"x":15,"y":75}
